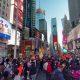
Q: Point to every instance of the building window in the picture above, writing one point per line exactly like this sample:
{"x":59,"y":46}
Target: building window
{"x":4,"y":1}
{"x":3,"y":7}
{"x":6,"y":14}
{"x":0,"y":4}
{"x":3,"y":13}
{"x":0,"y":11}
{"x":7,"y":4}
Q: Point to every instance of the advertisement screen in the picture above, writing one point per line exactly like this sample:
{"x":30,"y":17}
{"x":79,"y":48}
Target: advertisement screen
{"x":5,"y":29}
{"x":64,"y":39}
{"x":12,"y":40}
{"x":55,"y":39}
{"x":42,"y":37}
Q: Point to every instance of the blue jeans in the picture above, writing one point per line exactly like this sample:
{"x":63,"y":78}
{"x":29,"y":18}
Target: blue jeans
{"x":33,"y":77}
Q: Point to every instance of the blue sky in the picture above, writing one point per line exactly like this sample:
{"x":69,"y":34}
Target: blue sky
{"x":54,"y":8}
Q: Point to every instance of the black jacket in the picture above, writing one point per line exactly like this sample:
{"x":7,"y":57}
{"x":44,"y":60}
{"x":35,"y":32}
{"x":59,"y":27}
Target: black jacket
{"x":32,"y":68}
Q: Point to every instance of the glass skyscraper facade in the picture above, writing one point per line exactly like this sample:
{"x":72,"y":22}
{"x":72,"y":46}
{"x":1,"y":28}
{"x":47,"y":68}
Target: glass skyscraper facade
{"x":43,"y":28}
{"x":54,"y":26}
{"x":74,"y":12}
{"x":40,"y":14}
{"x":54,"y":34}
{"x":29,"y":14}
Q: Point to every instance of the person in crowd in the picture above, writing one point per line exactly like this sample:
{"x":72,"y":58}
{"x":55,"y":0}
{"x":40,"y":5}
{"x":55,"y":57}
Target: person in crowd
{"x":41,"y":65}
{"x":53,"y":63}
{"x":48,"y":69}
{"x":33,"y":70}
{"x":26,"y":66}
{"x":57,"y":74}
{"x":1,"y":67}
{"x":20,"y":68}
{"x":17,"y":76}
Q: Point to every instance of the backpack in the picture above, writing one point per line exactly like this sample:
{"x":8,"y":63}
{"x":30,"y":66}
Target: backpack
{"x":49,"y":67}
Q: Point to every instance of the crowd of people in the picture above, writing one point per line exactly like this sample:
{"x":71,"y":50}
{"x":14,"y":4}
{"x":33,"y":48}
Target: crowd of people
{"x":28,"y":68}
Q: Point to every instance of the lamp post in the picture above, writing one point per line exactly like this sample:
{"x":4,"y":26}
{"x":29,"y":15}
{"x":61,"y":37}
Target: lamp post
{"x":15,"y":47}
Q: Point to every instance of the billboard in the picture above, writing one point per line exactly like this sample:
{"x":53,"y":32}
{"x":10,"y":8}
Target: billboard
{"x":42,"y":38}
{"x":5,"y":29}
{"x":55,"y":39}
{"x":16,"y":13}
{"x":64,"y":39}
{"x":12,"y":40}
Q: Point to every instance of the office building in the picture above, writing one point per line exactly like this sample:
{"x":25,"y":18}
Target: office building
{"x":43,"y":28}
{"x":74,"y":12}
{"x":54,"y":26}
{"x":54,"y":33}
{"x":66,"y":29}
{"x":29,"y":14}
{"x":40,"y":14}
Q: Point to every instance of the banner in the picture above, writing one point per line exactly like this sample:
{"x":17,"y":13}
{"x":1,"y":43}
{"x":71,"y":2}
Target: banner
{"x":5,"y":29}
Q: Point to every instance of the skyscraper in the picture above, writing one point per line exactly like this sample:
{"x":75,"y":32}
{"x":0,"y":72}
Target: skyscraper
{"x":54,"y":33}
{"x":40,"y":14}
{"x":54,"y":26}
{"x":29,"y":14}
{"x":66,"y":25}
{"x":74,"y":11}
{"x":43,"y":28}
{"x":66,"y":29}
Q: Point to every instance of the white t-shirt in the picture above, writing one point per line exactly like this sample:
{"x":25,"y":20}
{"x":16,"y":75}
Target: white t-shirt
{"x":45,"y":66}
{"x":17,"y":77}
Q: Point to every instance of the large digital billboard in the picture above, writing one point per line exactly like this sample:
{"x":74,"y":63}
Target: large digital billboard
{"x":12,"y":40}
{"x":5,"y":29}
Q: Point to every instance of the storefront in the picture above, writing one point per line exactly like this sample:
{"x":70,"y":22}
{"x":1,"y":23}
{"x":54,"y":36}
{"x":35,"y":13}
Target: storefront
{"x":11,"y":42}
{"x":5,"y":35}
{"x":26,"y":48}
{"x":74,"y":39}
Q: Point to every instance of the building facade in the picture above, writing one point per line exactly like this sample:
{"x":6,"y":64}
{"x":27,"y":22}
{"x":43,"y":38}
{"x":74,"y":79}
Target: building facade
{"x":74,"y":39}
{"x":43,"y":28}
{"x":5,"y":35}
{"x":74,"y":11}
{"x":16,"y":13}
{"x":11,"y":13}
{"x":29,"y":14}
{"x":54,"y":33}
{"x":40,"y":14}
{"x":66,"y":29}
{"x":5,"y":9}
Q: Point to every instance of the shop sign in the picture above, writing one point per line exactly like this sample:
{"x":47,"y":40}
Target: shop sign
{"x":3,"y":41}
